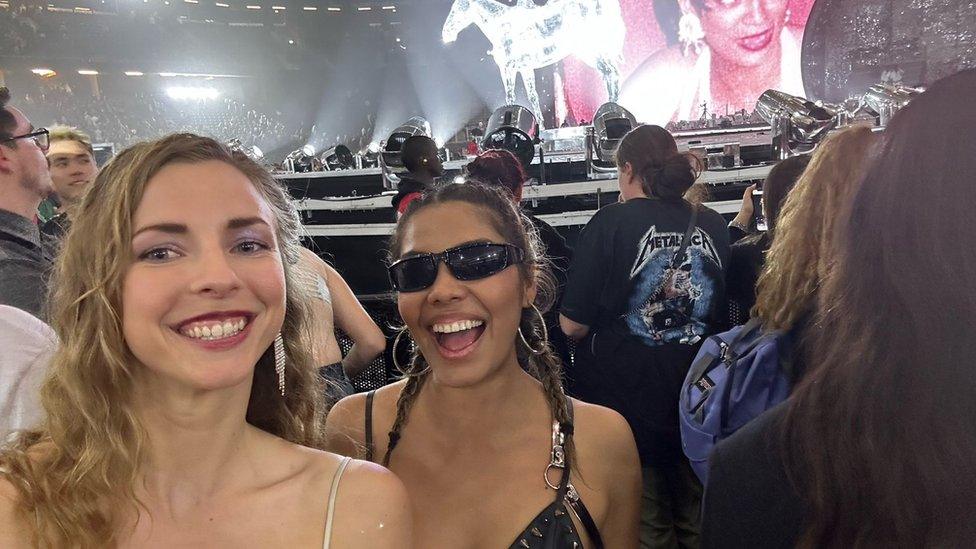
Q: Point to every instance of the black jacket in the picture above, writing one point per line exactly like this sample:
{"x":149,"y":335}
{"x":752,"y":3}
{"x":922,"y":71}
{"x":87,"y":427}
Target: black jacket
{"x":749,"y":501}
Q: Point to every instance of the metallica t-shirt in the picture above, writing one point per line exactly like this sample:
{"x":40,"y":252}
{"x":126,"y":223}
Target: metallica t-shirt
{"x":622,"y":278}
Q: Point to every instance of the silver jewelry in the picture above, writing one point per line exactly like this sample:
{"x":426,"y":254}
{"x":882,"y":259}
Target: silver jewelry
{"x":740,"y":226}
{"x":396,"y":363}
{"x":789,"y":14}
{"x":691,"y":35}
{"x":545,"y":335}
{"x":279,"y":357}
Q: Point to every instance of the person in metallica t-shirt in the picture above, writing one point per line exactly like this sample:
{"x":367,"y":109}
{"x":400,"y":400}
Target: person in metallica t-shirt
{"x":639,"y":307}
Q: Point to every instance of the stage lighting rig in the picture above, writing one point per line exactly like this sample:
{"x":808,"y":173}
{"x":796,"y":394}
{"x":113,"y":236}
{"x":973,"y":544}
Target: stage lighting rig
{"x":389,"y":158}
{"x":416,"y":125}
{"x":610,"y":124}
{"x":337,"y":158}
{"x":513,"y":128}
{"x":798,"y":124}
{"x":301,"y":160}
{"x":252,"y":152}
{"x":884,"y":100}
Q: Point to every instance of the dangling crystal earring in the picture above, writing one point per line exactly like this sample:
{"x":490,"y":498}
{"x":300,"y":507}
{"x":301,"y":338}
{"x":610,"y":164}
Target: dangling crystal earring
{"x":279,"y":355}
{"x":690,"y":33}
{"x":789,"y":14}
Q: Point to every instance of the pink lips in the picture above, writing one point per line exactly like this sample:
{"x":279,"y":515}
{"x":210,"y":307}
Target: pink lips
{"x":757,"y":42}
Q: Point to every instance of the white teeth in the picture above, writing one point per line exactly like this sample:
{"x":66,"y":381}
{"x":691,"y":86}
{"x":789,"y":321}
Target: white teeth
{"x":458,"y":326}
{"x":216,"y":331}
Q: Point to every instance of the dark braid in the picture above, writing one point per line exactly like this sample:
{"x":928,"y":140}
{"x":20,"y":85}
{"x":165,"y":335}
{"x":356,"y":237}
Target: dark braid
{"x":547,"y":367}
{"x":416,"y":375}
{"x":510,"y":222}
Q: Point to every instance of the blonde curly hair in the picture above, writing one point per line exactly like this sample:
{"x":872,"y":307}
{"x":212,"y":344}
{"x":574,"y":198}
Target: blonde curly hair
{"x":802,"y":252}
{"x":75,"y":474}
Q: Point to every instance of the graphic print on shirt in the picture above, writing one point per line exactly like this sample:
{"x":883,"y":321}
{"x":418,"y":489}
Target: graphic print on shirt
{"x":666,"y":306}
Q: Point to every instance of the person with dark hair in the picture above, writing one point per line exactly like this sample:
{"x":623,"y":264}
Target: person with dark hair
{"x":646,"y":283}
{"x":876,"y":446}
{"x":749,"y":250}
{"x":26,"y":256}
{"x":492,"y":451}
{"x":502,"y":168}
{"x":722,"y":55}
{"x":419,"y":155}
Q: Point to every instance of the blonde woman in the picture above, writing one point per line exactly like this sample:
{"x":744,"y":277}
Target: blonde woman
{"x":182,"y":409}
{"x":803,"y":249}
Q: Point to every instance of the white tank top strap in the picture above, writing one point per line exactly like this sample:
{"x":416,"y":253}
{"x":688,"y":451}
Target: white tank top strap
{"x":332,"y":499}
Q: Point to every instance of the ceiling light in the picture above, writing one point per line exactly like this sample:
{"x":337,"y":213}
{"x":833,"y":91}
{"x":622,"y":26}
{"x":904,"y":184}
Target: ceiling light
{"x":87,"y":72}
{"x":133,"y":73}
{"x":310,"y":8}
{"x":44,"y":73}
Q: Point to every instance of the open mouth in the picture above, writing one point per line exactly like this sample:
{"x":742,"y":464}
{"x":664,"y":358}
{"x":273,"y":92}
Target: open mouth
{"x":458,"y":339}
{"x":757,"y":42}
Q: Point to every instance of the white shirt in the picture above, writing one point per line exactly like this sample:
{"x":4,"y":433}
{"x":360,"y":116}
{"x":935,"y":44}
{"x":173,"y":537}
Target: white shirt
{"x":26,"y":347}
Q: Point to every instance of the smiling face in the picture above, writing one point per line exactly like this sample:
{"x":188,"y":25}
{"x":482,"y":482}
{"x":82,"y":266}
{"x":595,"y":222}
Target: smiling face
{"x":465,"y":329}
{"x":72,"y":169}
{"x":204,"y":294}
{"x":743,"y":32}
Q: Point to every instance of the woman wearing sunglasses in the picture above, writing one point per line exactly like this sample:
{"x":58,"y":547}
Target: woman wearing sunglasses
{"x":492,"y":452}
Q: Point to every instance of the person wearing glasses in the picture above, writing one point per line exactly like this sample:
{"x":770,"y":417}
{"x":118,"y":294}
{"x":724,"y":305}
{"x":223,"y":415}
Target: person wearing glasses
{"x":26,"y":255}
{"x":491,"y":450}
{"x":73,"y":168}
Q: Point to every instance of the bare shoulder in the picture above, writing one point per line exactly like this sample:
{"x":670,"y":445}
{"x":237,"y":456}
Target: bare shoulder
{"x":372,"y":508}
{"x":345,"y":426}
{"x":603,"y":438}
{"x":13,"y":532}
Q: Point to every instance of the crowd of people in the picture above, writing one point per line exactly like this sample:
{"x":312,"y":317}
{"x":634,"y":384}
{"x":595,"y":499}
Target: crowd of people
{"x":125,"y":119}
{"x":173,"y":379}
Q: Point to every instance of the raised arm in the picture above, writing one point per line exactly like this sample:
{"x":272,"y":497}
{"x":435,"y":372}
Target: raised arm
{"x":352,"y":318}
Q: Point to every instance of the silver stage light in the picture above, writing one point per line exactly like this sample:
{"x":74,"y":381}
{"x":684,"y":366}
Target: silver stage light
{"x":301,"y":160}
{"x":253,"y":152}
{"x":886,"y":99}
{"x":610,"y":124}
{"x":417,"y":125}
{"x":797,"y":123}
{"x":337,"y":158}
{"x":513,"y":128}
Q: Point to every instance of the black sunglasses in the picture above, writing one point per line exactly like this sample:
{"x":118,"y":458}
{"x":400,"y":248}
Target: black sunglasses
{"x":41,"y":138}
{"x":467,"y":262}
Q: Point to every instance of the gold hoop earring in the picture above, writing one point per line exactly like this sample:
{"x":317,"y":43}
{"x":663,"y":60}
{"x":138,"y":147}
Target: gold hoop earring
{"x":545,"y":335}
{"x":396,"y":363}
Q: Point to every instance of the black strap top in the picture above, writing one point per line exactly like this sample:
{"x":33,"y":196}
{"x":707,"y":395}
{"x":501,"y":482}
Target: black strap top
{"x":552,"y":528}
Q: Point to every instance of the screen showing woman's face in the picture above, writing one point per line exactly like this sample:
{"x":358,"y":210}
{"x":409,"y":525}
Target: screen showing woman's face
{"x":744,"y":32}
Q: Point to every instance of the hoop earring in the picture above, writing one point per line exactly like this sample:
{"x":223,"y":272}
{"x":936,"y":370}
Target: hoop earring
{"x":690,"y":33}
{"x":279,"y":357}
{"x":545,"y":335}
{"x":396,"y":363}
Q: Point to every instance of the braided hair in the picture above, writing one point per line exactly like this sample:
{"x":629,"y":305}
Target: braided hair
{"x":511,"y":223}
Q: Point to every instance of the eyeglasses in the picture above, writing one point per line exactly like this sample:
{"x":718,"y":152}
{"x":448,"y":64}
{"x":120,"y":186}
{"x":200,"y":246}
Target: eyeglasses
{"x":468,"y":262}
{"x":41,"y":137}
